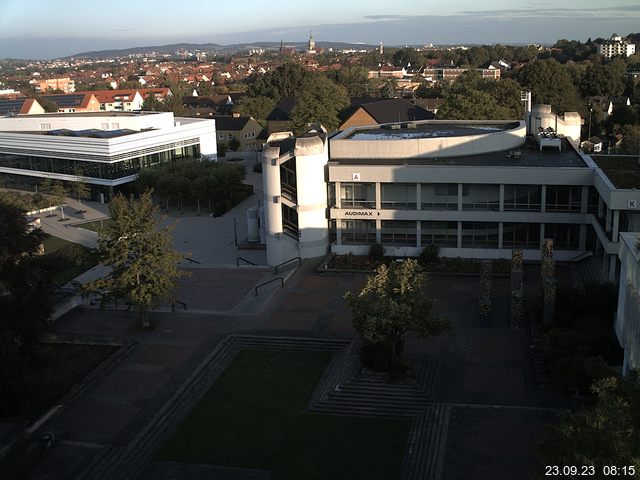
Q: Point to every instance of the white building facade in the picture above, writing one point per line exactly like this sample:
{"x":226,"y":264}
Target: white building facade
{"x":100,"y":149}
{"x":616,"y":46}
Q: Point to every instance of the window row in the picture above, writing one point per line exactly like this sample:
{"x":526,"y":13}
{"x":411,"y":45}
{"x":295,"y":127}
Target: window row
{"x":472,"y":234}
{"x":122,"y":168}
{"x":445,"y":196}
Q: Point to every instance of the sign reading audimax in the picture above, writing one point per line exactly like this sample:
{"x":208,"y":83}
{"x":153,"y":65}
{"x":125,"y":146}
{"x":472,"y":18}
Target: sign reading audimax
{"x":361,"y":213}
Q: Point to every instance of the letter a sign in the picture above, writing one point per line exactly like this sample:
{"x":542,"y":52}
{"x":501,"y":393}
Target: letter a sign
{"x":355,"y":177}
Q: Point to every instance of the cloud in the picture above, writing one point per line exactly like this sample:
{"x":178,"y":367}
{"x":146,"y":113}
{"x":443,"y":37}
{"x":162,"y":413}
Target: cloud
{"x":553,"y":11}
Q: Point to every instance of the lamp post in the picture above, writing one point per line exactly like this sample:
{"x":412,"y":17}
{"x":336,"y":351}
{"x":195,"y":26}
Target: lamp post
{"x":590,"y":111}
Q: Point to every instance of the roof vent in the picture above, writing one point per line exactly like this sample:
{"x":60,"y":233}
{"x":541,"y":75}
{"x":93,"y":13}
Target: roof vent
{"x":411,"y":125}
{"x":395,"y":126}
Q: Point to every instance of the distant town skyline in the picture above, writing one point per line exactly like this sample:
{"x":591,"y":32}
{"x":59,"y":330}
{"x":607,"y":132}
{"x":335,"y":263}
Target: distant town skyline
{"x":40,"y":29}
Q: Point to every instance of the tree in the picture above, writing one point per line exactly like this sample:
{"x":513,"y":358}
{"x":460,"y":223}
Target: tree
{"x":609,"y":79}
{"x":549,"y":83}
{"x":80,"y":189}
{"x":355,"y":79}
{"x":59,"y":193}
{"x":256,"y":107}
{"x":26,"y":294}
{"x":320,"y":103}
{"x":470,"y":97}
{"x":631,"y":140}
{"x":143,"y":264}
{"x":391,"y":304}
{"x":605,"y":433}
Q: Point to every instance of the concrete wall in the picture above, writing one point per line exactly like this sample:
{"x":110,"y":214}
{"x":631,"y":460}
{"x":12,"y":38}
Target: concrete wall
{"x":627,"y":321}
{"x":440,"y":146}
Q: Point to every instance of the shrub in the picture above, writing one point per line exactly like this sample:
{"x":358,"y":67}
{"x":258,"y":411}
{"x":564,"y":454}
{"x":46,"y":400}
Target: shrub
{"x":376,"y":252}
{"x":429,"y":255}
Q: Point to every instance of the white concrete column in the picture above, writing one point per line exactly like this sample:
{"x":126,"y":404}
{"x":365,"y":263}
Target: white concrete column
{"x":460,"y":233}
{"x":616,"y":225}
{"x":584,"y":199}
{"x":608,"y":221}
{"x":378,"y":231}
{"x":378,"y":196}
{"x":273,"y":205}
{"x":418,"y":234}
{"x":543,"y":203}
{"x":541,"y":235}
{"x":501,"y":208}
{"x":459,"y":199}
{"x":338,"y":195}
{"x":339,"y":232}
{"x":500,"y":231}
{"x":612,"y":267}
{"x":418,"y":196}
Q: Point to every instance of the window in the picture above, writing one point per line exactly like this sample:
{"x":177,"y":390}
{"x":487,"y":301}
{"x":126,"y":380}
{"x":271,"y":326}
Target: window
{"x":230,"y":137}
{"x":479,"y":235}
{"x":290,"y":221}
{"x":565,"y":236}
{"x":398,"y":232}
{"x":246,"y":136}
{"x":480,"y":197}
{"x":523,"y":197}
{"x":221,"y":136}
{"x":442,"y":234}
{"x":439,"y":196}
{"x":358,"y":231}
{"x":398,"y":195}
{"x":561,"y":198}
{"x":521,"y":235}
{"x":361,"y":195}
{"x":45,"y":126}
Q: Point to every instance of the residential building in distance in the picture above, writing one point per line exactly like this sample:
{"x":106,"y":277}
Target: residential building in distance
{"x":243,"y":128}
{"x":65,"y":84}
{"x":119,"y":100}
{"x":616,"y":46}
{"x":19,"y":106}
{"x":104,"y":150}
{"x":74,"y":102}
{"x":378,"y":111}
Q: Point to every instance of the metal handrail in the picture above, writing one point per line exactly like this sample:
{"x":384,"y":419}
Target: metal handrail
{"x":173,"y":305}
{"x":287,"y":261}
{"x":267,"y":283}
{"x":582,"y":256}
{"x":192,"y":260}
{"x":244,"y":260}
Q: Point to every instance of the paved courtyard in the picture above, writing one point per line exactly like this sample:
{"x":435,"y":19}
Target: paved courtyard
{"x":497,"y":414}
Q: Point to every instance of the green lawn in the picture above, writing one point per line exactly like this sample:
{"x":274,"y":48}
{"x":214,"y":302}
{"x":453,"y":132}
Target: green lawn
{"x":66,"y":260}
{"x":51,"y":370}
{"x":254,"y":417}
{"x":94,"y":226}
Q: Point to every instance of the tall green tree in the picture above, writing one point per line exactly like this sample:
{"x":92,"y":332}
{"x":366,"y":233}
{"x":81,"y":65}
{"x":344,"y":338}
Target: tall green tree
{"x":393,"y":303}
{"x":26,"y":295}
{"x":143,"y":264}
{"x":320,"y":103}
{"x":550,"y":83}
{"x":603,"y":434}
{"x":605,"y":79}
{"x":471,"y":97}
{"x":59,"y":194}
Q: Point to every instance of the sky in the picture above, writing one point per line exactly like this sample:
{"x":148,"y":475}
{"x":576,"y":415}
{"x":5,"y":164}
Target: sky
{"x":44,"y":29}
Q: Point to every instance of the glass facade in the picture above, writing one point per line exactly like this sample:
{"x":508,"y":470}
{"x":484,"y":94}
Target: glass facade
{"x":439,"y":196}
{"x":399,"y":232}
{"x":480,"y":197}
{"x":565,"y":236}
{"x":479,"y":235}
{"x":398,"y":196}
{"x":358,"y":232}
{"x":97,"y":169}
{"x":562,"y":198}
{"x":442,"y":234}
{"x":523,"y":197}
{"x":288,"y":180}
{"x":290,"y":221}
{"x":521,"y":235}
{"x":358,"y":195}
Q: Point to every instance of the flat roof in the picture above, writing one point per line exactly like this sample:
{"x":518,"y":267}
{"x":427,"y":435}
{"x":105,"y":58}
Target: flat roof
{"x":529,"y":156}
{"x":622,"y":170}
{"x":91,"y":114}
{"x":429,"y":130}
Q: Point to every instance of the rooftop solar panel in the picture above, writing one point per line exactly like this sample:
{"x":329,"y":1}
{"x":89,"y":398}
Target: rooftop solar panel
{"x":11,"y":106}
{"x":68,"y":100}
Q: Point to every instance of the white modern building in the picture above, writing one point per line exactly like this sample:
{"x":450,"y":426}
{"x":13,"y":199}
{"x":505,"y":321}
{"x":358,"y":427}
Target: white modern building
{"x":477,"y":189}
{"x":102,"y":149}
{"x":616,"y":46}
{"x":627,"y":324}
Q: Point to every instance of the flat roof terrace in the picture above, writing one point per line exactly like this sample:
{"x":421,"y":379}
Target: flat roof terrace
{"x":622,"y":170}
{"x":429,"y":130}
{"x":525,"y":156}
